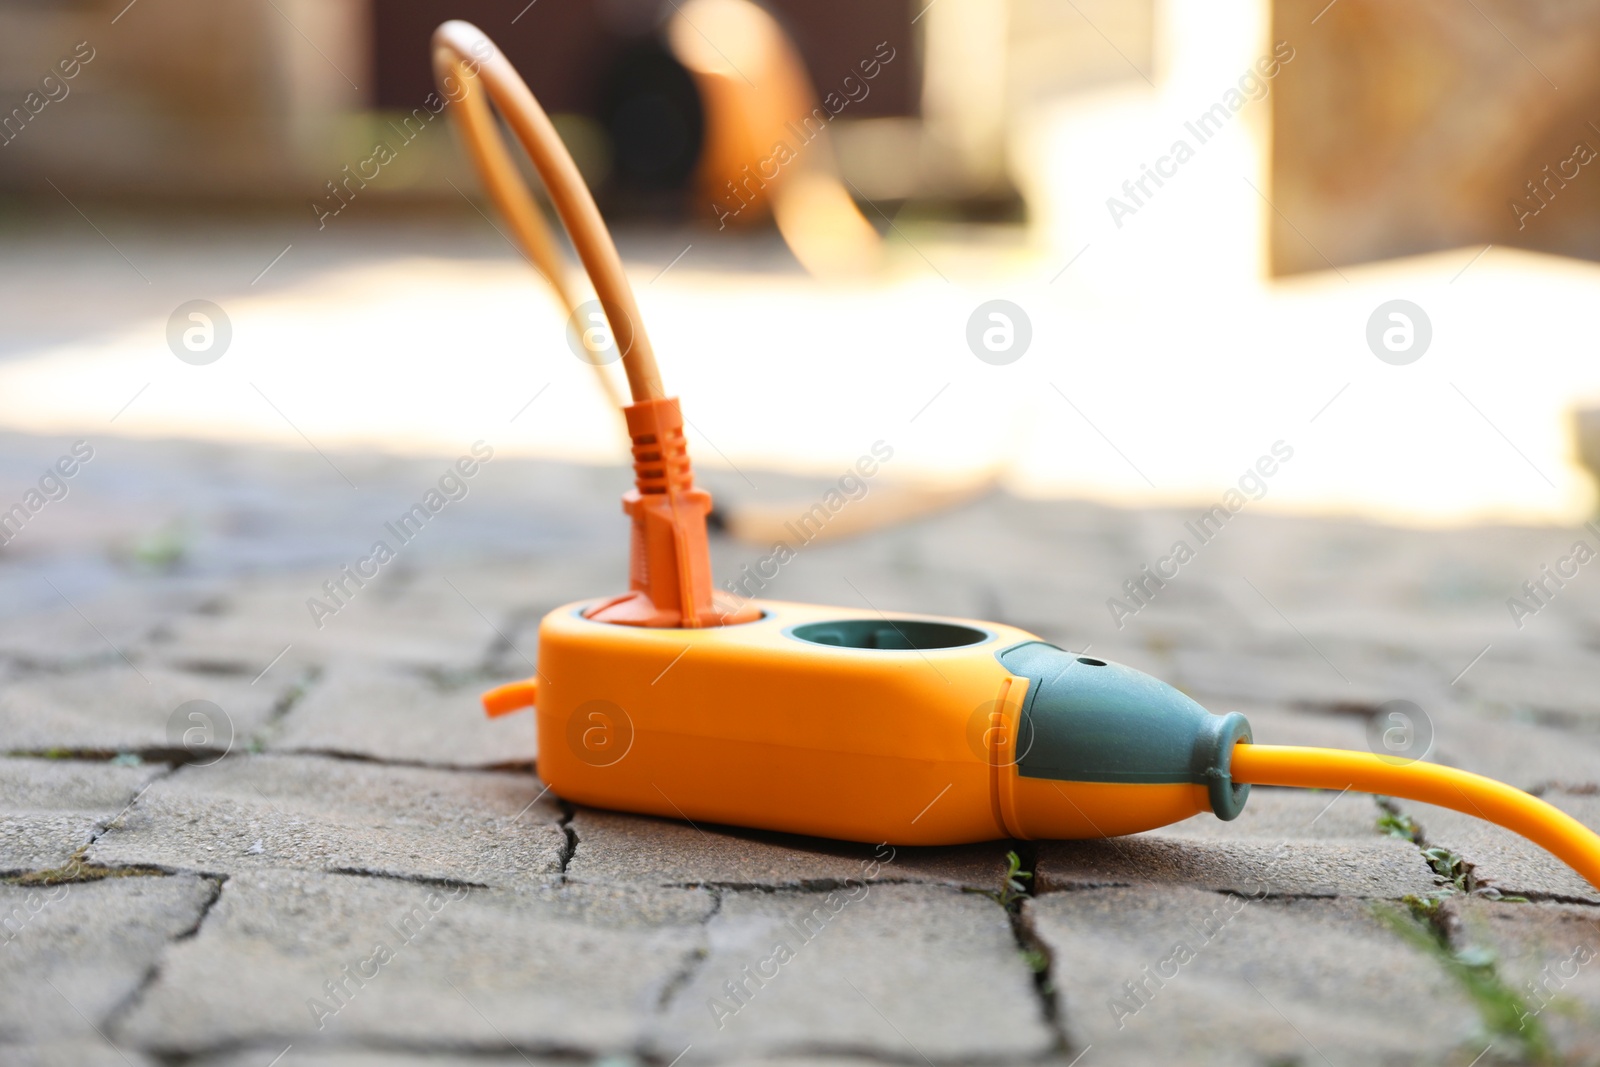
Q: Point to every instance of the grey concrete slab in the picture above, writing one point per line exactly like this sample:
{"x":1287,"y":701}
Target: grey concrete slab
{"x":250,"y":813}
{"x":1286,"y":842}
{"x":256,"y":627}
{"x":407,"y":718}
{"x":613,"y":847}
{"x":1547,"y":954}
{"x":902,"y":972}
{"x":1275,"y":724}
{"x":1561,"y":686}
{"x":93,"y":1051}
{"x":87,"y":630}
{"x":262,"y":1055}
{"x":385,"y":621}
{"x":1167,"y":974}
{"x":1291,"y":675}
{"x":1515,"y":749}
{"x":50,"y":808}
{"x":545,"y":970}
{"x":74,"y":952}
{"x":117,"y":707}
{"x":1503,"y":860}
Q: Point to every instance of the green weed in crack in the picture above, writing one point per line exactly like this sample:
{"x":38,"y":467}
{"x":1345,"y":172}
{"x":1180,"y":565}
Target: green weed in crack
{"x":1427,"y":925}
{"x":1456,"y":872}
{"x":1505,"y":1015}
{"x":1395,"y":823}
{"x":1015,"y":884}
{"x":77,"y":871}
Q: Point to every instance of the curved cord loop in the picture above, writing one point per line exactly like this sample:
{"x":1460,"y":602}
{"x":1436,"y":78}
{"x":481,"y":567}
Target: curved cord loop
{"x":462,"y":53}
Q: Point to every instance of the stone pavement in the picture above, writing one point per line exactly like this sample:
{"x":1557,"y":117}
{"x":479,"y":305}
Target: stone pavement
{"x":341,"y":862}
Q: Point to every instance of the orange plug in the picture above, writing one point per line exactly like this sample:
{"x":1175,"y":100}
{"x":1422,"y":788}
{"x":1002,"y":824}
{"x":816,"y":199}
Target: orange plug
{"x":669,"y":559}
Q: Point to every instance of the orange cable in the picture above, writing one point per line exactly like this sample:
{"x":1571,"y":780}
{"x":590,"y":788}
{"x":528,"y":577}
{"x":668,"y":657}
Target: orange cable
{"x":1471,"y":794}
{"x":461,"y":46}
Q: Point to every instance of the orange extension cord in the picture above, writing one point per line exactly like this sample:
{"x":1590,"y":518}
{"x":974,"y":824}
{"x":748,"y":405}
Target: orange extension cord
{"x":463,"y":52}
{"x":1471,"y":794}
{"x":675,"y":589}
{"x":669,"y":560}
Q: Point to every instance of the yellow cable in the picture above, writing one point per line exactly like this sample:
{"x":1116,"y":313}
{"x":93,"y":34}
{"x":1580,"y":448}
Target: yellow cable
{"x":459,"y":49}
{"x":1330,"y":768}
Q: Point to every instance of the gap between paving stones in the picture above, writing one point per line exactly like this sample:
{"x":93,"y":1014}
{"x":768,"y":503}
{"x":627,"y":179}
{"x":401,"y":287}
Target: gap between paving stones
{"x":1404,"y":825}
{"x":1031,"y":952}
{"x":692,"y":963}
{"x":131,"y":1001}
{"x":1035,"y":953}
{"x":1028,"y":942}
{"x":177,"y":757}
{"x":76,"y":869}
{"x":1437,"y":916}
{"x":508,"y":767}
{"x":809,"y":1050}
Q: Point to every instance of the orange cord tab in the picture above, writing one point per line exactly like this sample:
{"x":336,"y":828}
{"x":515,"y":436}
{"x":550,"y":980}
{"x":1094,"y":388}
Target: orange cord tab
{"x":669,"y":560}
{"x":513,"y":696}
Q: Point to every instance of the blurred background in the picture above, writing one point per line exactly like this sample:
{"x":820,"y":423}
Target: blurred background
{"x":1198,"y":220}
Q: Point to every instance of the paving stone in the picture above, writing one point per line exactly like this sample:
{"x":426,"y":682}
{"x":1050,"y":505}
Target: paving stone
{"x":903,"y":972}
{"x":93,"y":631}
{"x":1291,"y":676}
{"x":1549,"y":954}
{"x":256,"y":628}
{"x":1284,"y":843}
{"x":1506,"y":861}
{"x":50,"y":808}
{"x":1273,"y":724}
{"x":261,"y":1056}
{"x":385,"y":622}
{"x":387,"y":715}
{"x":613,"y":847}
{"x":94,"y":942}
{"x":1168,"y":974}
{"x":92,"y":1051}
{"x":555,"y":969}
{"x":115,"y":708}
{"x":251,"y":813}
{"x":1562,"y":687}
{"x":1515,"y":750}
{"x":824,"y":1061}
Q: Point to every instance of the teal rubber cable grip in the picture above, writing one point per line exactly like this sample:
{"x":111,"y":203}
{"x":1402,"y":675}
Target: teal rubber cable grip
{"x":1089,"y":720}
